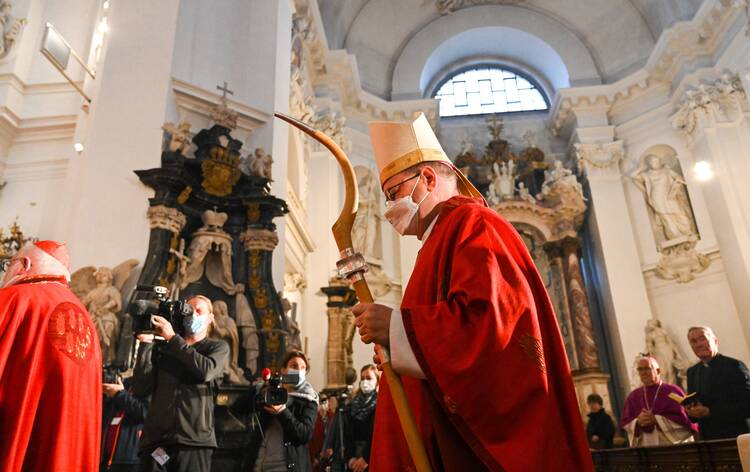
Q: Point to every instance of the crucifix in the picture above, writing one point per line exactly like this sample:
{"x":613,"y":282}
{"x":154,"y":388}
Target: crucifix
{"x":495,"y":126}
{"x":182,"y":262}
{"x":225,"y":90}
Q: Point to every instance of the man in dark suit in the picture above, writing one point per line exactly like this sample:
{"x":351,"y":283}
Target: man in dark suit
{"x":722,"y":385}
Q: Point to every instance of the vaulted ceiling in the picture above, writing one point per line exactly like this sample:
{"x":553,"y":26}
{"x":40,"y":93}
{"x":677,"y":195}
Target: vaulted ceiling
{"x":402,"y":45}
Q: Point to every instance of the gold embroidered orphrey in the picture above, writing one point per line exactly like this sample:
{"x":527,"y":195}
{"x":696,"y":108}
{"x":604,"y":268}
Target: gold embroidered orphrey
{"x":220,"y":171}
{"x":69,"y":329}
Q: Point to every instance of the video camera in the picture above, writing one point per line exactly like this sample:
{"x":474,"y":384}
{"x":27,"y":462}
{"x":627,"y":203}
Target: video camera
{"x":153,"y":300}
{"x":111,"y":374}
{"x":272,"y":392}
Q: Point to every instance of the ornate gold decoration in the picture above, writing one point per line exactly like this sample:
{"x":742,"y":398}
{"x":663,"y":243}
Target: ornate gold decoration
{"x":10,"y":244}
{"x":184,"y":195}
{"x":261,"y":299}
{"x":220,"y":171}
{"x":69,"y":329}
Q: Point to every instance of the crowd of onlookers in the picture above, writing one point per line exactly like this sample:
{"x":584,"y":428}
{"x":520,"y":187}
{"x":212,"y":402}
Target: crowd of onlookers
{"x":716,"y":405}
{"x":162,"y":418}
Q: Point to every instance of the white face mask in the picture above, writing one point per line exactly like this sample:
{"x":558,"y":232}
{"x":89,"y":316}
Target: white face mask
{"x":367,"y":386}
{"x":401,"y":213}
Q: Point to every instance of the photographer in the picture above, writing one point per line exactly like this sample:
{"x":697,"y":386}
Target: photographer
{"x":123,"y":415}
{"x":181,"y":374}
{"x":279,"y":441}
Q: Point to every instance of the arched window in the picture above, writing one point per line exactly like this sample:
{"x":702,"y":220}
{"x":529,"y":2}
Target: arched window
{"x":489,"y":90}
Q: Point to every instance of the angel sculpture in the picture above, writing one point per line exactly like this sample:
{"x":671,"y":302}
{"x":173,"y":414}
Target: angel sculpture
{"x":260,"y":164}
{"x":225,"y":328}
{"x":100,"y":291}
{"x":179,"y":136}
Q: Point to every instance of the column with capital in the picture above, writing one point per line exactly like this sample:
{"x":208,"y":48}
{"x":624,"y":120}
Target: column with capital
{"x":341,"y":328}
{"x":616,"y":261}
{"x":714,"y":118}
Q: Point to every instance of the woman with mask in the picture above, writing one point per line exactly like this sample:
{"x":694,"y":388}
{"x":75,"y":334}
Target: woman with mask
{"x":361,"y":420}
{"x":280,"y":435}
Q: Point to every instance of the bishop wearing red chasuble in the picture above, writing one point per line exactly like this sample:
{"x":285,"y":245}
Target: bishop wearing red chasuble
{"x":50,"y":367}
{"x":475,"y":340}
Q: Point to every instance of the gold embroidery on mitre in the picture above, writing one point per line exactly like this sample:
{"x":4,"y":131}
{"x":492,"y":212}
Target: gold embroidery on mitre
{"x":69,"y":330}
{"x":411,"y":159}
{"x":532,"y":347}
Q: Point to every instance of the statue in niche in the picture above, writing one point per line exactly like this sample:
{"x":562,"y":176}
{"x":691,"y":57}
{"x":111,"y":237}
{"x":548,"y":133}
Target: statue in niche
{"x":210,"y":252}
{"x":290,"y":313}
{"x":225,"y":328}
{"x":366,"y":232}
{"x":260,"y":164}
{"x":177,"y":138}
{"x":249,"y":331}
{"x":659,"y":344}
{"x":100,"y":291}
{"x":666,"y":194}
{"x":10,"y":27}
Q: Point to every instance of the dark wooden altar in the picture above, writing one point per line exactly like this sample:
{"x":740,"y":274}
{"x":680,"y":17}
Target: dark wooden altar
{"x":207,"y":177}
{"x":701,"y":456}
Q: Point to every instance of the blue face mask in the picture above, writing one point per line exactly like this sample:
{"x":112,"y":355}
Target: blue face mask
{"x":194,"y":324}
{"x":301,"y":374}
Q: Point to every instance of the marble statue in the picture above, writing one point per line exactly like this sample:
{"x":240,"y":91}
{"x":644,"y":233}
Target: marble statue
{"x":660,"y":346}
{"x":179,"y":137}
{"x":100,"y":291}
{"x":502,"y":186}
{"x":10,"y":28}
{"x":260,"y":164}
{"x":249,"y":332}
{"x":666,"y":195}
{"x":559,"y":175}
{"x":366,"y":229}
{"x":294,"y":341}
{"x":225,"y":328}
{"x":523,"y":193}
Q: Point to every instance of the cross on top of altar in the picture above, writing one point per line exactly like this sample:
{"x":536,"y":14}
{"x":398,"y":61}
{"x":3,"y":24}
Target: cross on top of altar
{"x":225,"y":90}
{"x":495,"y":126}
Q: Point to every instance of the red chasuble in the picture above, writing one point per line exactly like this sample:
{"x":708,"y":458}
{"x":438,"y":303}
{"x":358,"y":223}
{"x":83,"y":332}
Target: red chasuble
{"x":50,"y":380}
{"x":499,"y":394}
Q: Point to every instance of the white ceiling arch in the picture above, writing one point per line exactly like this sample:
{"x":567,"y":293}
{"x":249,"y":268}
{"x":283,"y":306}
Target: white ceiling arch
{"x":615,"y":33}
{"x":518,"y":36}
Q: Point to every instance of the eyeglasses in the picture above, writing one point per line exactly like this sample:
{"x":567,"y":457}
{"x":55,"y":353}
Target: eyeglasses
{"x":390,"y":194}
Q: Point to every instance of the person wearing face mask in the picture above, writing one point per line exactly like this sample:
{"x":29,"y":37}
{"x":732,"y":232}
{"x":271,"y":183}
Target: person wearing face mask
{"x":181,"y":374}
{"x":279,"y":434}
{"x":360,"y":420}
{"x":474,"y":315}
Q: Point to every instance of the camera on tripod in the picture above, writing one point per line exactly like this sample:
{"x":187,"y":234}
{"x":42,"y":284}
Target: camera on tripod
{"x":272,"y":392}
{"x":149,"y":301}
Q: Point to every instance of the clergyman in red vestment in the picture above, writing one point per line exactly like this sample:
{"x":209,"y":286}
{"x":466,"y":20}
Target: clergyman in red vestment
{"x":50,"y":367}
{"x":475,"y":340}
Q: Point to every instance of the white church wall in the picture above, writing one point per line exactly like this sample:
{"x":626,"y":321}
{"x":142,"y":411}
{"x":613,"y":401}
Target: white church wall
{"x":104,"y":204}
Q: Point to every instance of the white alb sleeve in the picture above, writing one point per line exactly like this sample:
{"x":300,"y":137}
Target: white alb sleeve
{"x":402,"y":357}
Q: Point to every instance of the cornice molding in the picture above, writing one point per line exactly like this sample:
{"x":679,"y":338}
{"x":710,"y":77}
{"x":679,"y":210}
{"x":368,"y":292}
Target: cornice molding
{"x":684,"y":42}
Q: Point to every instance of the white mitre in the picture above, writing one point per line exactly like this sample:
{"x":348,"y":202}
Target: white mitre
{"x":401,"y":145}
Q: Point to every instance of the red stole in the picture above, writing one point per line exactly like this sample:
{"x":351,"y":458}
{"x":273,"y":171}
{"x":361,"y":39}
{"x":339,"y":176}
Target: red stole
{"x":484,"y":332}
